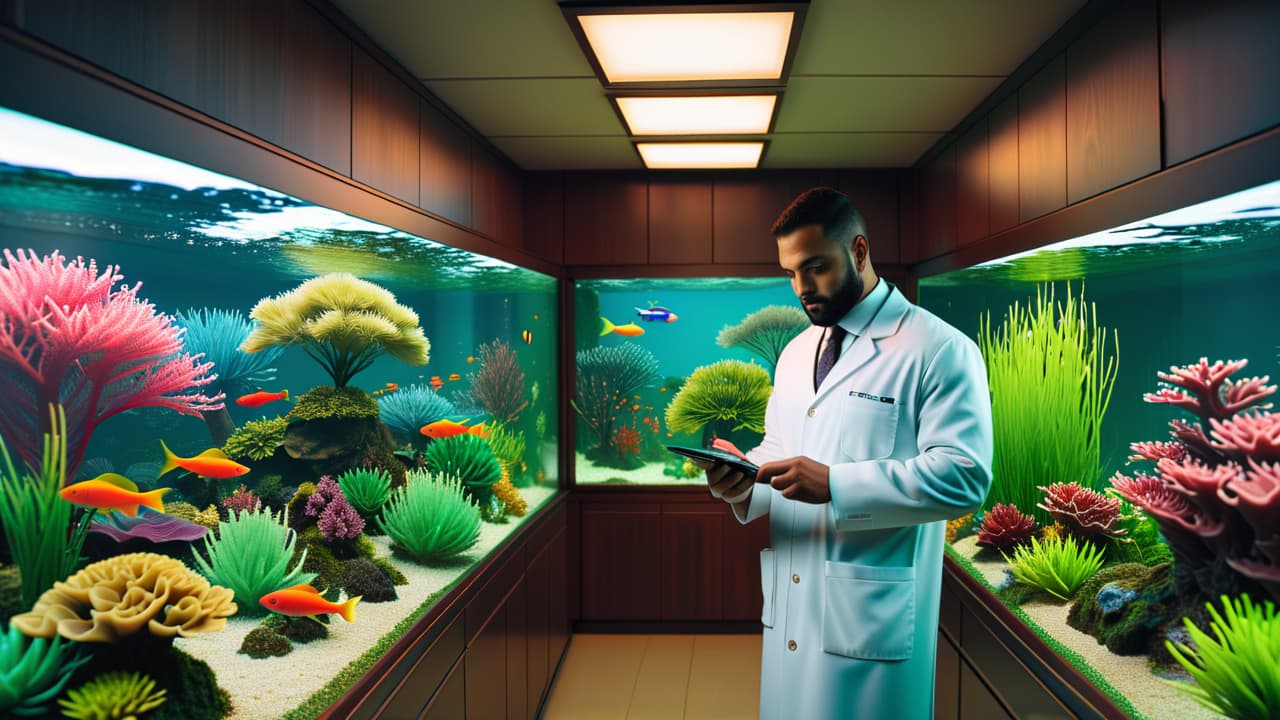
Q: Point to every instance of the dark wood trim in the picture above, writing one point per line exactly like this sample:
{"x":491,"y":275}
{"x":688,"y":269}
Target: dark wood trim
{"x":670,"y":627}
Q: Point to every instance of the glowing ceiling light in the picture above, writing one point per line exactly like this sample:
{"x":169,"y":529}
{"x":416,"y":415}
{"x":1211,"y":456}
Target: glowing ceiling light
{"x":700,"y":156}
{"x":698,"y":115}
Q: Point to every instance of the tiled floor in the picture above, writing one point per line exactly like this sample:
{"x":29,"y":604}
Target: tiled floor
{"x":657,"y":677}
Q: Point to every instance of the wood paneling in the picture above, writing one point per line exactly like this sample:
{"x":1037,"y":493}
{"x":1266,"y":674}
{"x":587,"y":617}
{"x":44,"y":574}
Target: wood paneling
{"x":486,"y":190}
{"x":486,"y":668}
{"x":606,"y":219}
{"x":424,"y":676}
{"x":912,"y":215}
{"x":940,"y":204}
{"x":450,"y":703}
{"x":679,"y":222}
{"x":976,"y":701}
{"x":742,"y":546}
{"x":621,"y":564}
{"x":1220,"y":80}
{"x":744,"y":210}
{"x":875,"y":194}
{"x":544,"y":215}
{"x":1113,"y":102}
{"x":517,"y":652}
{"x":444,"y":167}
{"x":537,"y":672}
{"x":1042,"y":142}
{"x":1002,"y":161}
{"x":946,"y":689}
{"x":692,"y":552}
{"x":973,"y":185}
{"x":384,"y":129}
{"x":557,"y":595}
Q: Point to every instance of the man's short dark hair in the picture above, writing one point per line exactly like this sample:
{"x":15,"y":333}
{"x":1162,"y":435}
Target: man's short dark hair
{"x":833,"y":210}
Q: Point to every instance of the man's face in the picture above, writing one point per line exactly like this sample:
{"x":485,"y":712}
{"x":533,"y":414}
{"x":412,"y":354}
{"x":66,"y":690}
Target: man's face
{"x":822,"y":274}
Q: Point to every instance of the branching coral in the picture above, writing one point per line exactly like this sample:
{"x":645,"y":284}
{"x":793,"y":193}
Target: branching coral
{"x":126,"y":594}
{"x":607,"y":377}
{"x":1237,"y":671}
{"x":33,"y":672}
{"x":335,"y":517}
{"x":240,"y":500}
{"x":1086,"y":513}
{"x":256,"y":439}
{"x":765,"y":332}
{"x":510,"y":497}
{"x":431,"y":519}
{"x":1059,"y":566}
{"x":251,"y":557}
{"x":468,"y":458}
{"x":1004,"y":526}
{"x":721,"y":397}
{"x":366,"y":489}
{"x":344,"y":323}
{"x":66,"y":337}
{"x":499,"y":386}
{"x":409,"y":408}
{"x":113,"y":696}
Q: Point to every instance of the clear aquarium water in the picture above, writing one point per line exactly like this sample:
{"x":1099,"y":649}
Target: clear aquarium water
{"x":1137,"y":420}
{"x":396,"y":419}
{"x":674,"y":361}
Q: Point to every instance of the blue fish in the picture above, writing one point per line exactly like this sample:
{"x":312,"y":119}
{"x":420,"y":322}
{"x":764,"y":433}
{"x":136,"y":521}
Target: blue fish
{"x":657,"y":314}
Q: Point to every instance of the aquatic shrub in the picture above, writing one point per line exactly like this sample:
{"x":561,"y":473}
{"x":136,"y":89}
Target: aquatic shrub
{"x":1004,"y":526}
{"x":342,"y":322}
{"x":508,"y":446}
{"x":1051,"y":377}
{"x":765,"y":332}
{"x":1141,"y":541}
{"x":240,"y":500}
{"x":256,"y":439}
{"x":499,"y":385}
{"x":510,"y":497}
{"x":409,"y":408}
{"x":1086,"y":513}
{"x":251,"y":556}
{"x":721,"y":397}
{"x":33,"y":671}
{"x":607,"y":377}
{"x":67,"y":338}
{"x":1058,"y":566}
{"x":360,"y":577}
{"x":113,"y":696}
{"x":431,"y":518}
{"x":36,"y":521}
{"x":468,"y":458}
{"x":1237,"y":671}
{"x":366,"y":489}
{"x":218,"y":334}
{"x":264,"y":642}
{"x":326,"y":402}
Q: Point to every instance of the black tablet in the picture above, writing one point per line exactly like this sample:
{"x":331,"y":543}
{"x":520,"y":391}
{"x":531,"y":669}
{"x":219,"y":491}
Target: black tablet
{"x":718,"y":456}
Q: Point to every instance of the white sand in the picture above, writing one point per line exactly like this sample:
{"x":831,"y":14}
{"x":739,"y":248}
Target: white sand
{"x":587,"y":473}
{"x":268,"y":688}
{"x":1151,"y":695}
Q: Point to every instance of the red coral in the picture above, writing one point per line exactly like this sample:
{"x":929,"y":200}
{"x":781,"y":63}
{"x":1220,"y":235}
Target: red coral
{"x":1148,"y":450}
{"x":1254,"y":435}
{"x":240,"y":500}
{"x":1203,"y":389}
{"x":626,"y":440}
{"x":1004,"y":526}
{"x":1085,"y":513}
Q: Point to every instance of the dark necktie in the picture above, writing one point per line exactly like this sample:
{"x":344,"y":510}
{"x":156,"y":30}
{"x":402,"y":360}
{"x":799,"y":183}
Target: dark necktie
{"x":830,"y":354}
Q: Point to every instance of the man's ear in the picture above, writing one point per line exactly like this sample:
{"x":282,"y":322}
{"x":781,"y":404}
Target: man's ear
{"x":860,"y":252}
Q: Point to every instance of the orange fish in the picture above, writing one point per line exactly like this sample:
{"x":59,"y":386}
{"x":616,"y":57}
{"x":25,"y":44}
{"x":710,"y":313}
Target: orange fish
{"x":436,"y":383}
{"x":390,"y":388}
{"x":441,"y":429}
{"x":260,"y":398}
{"x":470,"y":359}
{"x":455,"y":376}
{"x":212,"y":463}
{"x":628,"y":330}
{"x":306,"y":601}
{"x":113,"y":493}
{"x":527,"y":337}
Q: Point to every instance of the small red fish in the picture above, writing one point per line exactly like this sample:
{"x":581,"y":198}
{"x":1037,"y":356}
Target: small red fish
{"x":436,"y":383}
{"x":306,"y":601}
{"x":260,"y":398}
{"x":455,"y":376}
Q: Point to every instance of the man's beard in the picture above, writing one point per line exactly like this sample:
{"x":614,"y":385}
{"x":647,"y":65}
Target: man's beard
{"x":838,"y":304}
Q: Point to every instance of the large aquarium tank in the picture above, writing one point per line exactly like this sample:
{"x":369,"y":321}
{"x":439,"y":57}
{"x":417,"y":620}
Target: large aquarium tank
{"x":673,"y":361}
{"x":247,"y":440}
{"x":1134,"y":519}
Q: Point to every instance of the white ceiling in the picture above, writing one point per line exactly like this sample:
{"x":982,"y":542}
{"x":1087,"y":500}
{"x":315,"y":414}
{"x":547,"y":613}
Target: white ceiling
{"x":873,"y":84}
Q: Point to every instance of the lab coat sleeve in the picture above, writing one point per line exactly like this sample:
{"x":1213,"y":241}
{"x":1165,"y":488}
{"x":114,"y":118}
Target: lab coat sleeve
{"x":769,"y":449}
{"x":952,"y":472}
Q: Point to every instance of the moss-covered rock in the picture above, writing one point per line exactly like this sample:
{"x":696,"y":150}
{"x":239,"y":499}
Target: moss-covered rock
{"x":362,"y":577}
{"x":10,"y":592}
{"x":1136,"y":604}
{"x":298,"y":518}
{"x":298,"y":629}
{"x":328,"y":402}
{"x":324,"y":559}
{"x":190,"y":686}
{"x":263,"y":642}
{"x":391,"y":571}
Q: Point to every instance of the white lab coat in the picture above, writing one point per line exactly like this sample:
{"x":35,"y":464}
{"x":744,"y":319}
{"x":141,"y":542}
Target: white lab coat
{"x":904,"y":422}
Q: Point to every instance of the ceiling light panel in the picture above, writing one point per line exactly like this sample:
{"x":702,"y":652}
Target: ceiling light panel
{"x":700,"y":156}
{"x":698,"y":115}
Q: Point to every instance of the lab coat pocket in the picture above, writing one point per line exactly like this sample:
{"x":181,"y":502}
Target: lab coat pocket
{"x":868,"y":428}
{"x":869,"y":612}
{"x":766,"y":586}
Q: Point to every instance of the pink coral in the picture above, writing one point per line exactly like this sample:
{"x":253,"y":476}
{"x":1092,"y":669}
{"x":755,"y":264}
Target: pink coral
{"x":1255,"y":435}
{"x":240,"y":500}
{"x":1004,"y":526}
{"x":1155,"y":450}
{"x":67,"y":337}
{"x":1206,"y":390}
{"x":1085,"y":513}
{"x":337,"y":520}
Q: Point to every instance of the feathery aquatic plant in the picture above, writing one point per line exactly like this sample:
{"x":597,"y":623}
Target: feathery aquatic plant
{"x":1059,"y":566}
{"x":1237,"y":671}
{"x":721,"y":397}
{"x":468,"y":458}
{"x":344,"y":323}
{"x":607,"y":377}
{"x":366,"y":489}
{"x":1051,"y":377}
{"x":499,"y":386}
{"x":431,"y":518}
{"x":409,"y":408}
{"x":113,"y":696}
{"x":218,"y":334}
{"x":508,"y":446}
{"x":251,"y":555}
{"x":33,"y":671}
{"x":256,"y":439}
{"x":765,"y":332}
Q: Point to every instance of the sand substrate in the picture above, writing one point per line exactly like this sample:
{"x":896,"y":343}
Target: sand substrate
{"x":267,"y":689}
{"x":587,"y":473}
{"x":1150,"y":694}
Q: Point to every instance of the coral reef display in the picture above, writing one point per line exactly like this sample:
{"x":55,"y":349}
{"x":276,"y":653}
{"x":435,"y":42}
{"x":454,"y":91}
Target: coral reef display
{"x":469,"y":459}
{"x":607,"y":377}
{"x":431,"y":519}
{"x":33,"y":671}
{"x":411,"y":407}
{"x":765,"y":332}
{"x":256,"y":439}
{"x":1237,"y":670}
{"x":499,"y":385}
{"x":1059,"y":566}
{"x":1004,"y":527}
{"x":1085,"y":513}
{"x":719,"y":398}
{"x":251,"y":556}
{"x":217,"y":335}
{"x":113,"y":696}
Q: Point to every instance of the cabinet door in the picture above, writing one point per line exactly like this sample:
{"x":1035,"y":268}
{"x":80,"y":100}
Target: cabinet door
{"x":692,"y":552}
{"x":621,"y":578}
{"x":537,"y":673}
{"x":486,"y":667}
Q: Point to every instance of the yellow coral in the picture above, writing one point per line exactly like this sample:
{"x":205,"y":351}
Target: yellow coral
{"x":207,"y":517}
{"x":182,"y":510}
{"x":1053,"y":532}
{"x":955,"y":526}
{"x":510,"y":496}
{"x":117,"y":597}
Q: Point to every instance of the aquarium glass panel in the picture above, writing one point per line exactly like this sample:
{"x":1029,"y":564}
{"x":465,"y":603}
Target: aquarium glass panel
{"x":267,"y":361}
{"x":676,"y":361}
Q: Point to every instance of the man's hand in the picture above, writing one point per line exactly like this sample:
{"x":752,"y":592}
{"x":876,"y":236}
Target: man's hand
{"x":798,"y":478}
{"x":723,"y":481}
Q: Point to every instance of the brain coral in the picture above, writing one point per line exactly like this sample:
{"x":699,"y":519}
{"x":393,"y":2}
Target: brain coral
{"x":117,"y":597}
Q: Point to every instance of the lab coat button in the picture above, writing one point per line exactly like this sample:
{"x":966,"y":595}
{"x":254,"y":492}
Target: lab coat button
{"x":791,"y":645}
{"x":795,"y":578}
{"x":813,"y":411}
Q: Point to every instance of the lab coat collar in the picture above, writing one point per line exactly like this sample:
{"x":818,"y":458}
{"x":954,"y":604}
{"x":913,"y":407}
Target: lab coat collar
{"x":886,"y":316}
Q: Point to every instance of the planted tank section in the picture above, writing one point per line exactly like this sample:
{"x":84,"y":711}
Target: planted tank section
{"x":1134,"y":519}
{"x":247,"y":440}
{"x":673,"y":361}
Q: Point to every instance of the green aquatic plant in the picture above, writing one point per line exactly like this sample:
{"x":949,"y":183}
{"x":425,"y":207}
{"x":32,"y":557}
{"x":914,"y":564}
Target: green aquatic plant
{"x":431,"y":518}
{"x":765,"y":332}
{"x":721,"y":397}
{"x":33,"y":671}
{"x":326,"y":402}
{"x":251,"y":555}
{"x":508,"y":447}
{"x":1237,"y":671}
{"x":256,"y":439}
{"x":113,"y":696}
{"x":1051,"y":377}
{"x":607,"y":377}
{"x":406,"y":410}
{"x":344,"y":323}
{"x":36,"y":521}
{"x":366,"y":489}
{"x":468,"y":458}
{"x":1059,"y":566}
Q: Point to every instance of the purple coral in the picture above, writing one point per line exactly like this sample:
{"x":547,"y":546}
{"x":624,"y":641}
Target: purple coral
{"x":337,"y":519}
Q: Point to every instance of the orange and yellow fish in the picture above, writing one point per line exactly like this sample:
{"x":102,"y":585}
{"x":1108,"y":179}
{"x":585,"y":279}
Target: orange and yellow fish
{"x":390,"y":388}
{"x":261,"y":397}
{"x":113,"y":493}
{"x":527,"y":337}
{"x":306,"y":601}
{"x":436,"y":383}
{"x":628,"y":330}
{"x":441,"y":429}
{"x":470,"y":359}
{"x":454,"y":376}
{"x":212,"y":463}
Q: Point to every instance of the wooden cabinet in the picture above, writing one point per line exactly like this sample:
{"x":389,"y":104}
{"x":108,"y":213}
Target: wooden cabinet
{"x":384,"y":129}
{"x":973,"y":185}
{"x":691,"y":551}
{"x":621,"y":564}
{"x":606,"y":219}
{"x":679,"y":222}
{"x":444,"y":167}
{"x":940,"y":204}
{"x":1042,"y":142}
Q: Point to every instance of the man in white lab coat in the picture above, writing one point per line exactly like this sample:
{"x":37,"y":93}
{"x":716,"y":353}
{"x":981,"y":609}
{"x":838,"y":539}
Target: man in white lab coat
{"x":872,"y":441}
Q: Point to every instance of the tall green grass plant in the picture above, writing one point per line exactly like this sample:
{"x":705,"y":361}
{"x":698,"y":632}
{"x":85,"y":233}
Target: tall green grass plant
{"x":1237,"y":671}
